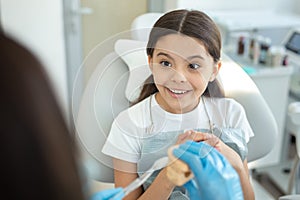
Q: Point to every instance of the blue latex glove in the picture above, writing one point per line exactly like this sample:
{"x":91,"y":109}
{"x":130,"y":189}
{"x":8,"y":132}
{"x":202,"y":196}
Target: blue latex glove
{"x":214,"y":177}
{"x":107,"y":194}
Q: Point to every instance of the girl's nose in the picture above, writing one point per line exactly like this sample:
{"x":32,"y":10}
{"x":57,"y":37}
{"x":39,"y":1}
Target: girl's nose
{"x":178,"y":76}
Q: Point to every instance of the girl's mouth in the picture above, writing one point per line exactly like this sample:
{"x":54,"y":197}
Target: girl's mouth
{"x":177,"y":93}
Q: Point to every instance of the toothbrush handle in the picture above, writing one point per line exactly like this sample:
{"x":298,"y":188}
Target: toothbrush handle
{"x":118,"y":196}
{"x":140,"y":180}
{"x":137,"y":183}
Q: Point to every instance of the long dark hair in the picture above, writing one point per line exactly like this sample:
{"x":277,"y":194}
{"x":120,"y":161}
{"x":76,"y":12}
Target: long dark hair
{"x":37,"y":149}
{"x":192,"y":23}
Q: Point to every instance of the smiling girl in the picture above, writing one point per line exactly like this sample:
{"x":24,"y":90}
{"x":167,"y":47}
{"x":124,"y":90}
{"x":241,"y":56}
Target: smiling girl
{"x":182,"y":100}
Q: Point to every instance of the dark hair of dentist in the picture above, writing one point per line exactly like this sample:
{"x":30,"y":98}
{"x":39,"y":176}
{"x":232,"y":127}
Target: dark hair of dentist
{"x":37,"y":151}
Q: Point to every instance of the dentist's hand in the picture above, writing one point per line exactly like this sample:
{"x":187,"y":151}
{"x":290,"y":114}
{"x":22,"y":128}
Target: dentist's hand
{"x":107,"y":194}
{"x":214,"y":177}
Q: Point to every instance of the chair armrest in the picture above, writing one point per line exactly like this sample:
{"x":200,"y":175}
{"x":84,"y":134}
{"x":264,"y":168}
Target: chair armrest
{"x":294,"y":112}
{"x":290,"y":197}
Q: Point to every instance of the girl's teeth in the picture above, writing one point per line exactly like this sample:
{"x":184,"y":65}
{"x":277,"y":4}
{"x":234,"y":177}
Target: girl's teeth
{"x":178,"y":91}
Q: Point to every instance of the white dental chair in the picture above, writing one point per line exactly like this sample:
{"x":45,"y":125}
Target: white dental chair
{"x":108,"y":91}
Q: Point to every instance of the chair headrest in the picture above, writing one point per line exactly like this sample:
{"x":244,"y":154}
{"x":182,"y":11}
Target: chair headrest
{"x":133,"y":53}
{"x":142,"y":25}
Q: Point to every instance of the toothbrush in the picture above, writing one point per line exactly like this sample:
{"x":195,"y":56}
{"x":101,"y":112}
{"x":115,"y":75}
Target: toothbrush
{"x":158,"y":164}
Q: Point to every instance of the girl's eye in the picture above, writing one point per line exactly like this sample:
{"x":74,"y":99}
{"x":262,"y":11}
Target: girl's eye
{"x":165,"y":64}
{"x":194,"y":66}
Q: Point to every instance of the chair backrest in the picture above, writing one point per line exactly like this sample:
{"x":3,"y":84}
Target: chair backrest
{"x":106,"y":94}
{"x":103,"y":98}
{"x":239,"y":86}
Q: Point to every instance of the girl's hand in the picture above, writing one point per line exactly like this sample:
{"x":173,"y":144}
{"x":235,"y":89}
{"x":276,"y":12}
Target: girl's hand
{"x":228,"y":152}
{"x":194,"y":136}
{"x":214,"y":141}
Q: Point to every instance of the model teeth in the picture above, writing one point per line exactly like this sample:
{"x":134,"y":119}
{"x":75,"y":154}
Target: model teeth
{"x":178,"y":91}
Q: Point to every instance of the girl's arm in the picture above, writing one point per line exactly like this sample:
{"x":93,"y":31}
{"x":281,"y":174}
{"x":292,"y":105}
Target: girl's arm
{"x":245,"y":182}
{"x":125,"y":173}
{"x":161,"y":188}
{"x":240,"y":166}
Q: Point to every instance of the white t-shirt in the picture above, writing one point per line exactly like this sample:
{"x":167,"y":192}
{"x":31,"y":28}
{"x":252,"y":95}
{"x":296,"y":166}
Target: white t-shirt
{"x":131,"y":134}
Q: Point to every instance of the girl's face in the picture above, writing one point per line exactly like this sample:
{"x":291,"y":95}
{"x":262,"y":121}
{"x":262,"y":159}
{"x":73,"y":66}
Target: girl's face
{"x":181,"y":69}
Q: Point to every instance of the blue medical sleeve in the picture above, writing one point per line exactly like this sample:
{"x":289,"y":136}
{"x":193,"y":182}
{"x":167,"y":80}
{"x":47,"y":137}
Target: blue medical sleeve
{"x":107,"y":194}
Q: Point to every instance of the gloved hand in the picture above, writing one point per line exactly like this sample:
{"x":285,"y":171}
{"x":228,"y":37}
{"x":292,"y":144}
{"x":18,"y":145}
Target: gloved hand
{"x":107,"y":194}
{"x":214,"y":177}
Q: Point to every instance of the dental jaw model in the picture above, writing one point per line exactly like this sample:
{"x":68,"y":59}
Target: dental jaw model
{"x":178,"y":172}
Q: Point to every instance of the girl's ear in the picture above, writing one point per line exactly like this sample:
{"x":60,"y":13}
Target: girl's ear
{"x":215,"y":72}
{"x":150,"y":62}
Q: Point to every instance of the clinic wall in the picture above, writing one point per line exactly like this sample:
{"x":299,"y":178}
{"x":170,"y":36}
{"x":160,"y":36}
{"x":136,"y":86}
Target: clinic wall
{"x":297,"y":6}
{"x":39,"y":26}
{"x":279,"y":5}
{"x":109,"y":17}
{"x":289,"y":6}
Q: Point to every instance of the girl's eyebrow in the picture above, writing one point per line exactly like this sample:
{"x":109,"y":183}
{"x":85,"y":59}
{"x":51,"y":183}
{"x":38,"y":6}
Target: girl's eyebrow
{"x":164,"y":54}
{"x":195,"y":56}
{"x":188,"y":58}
